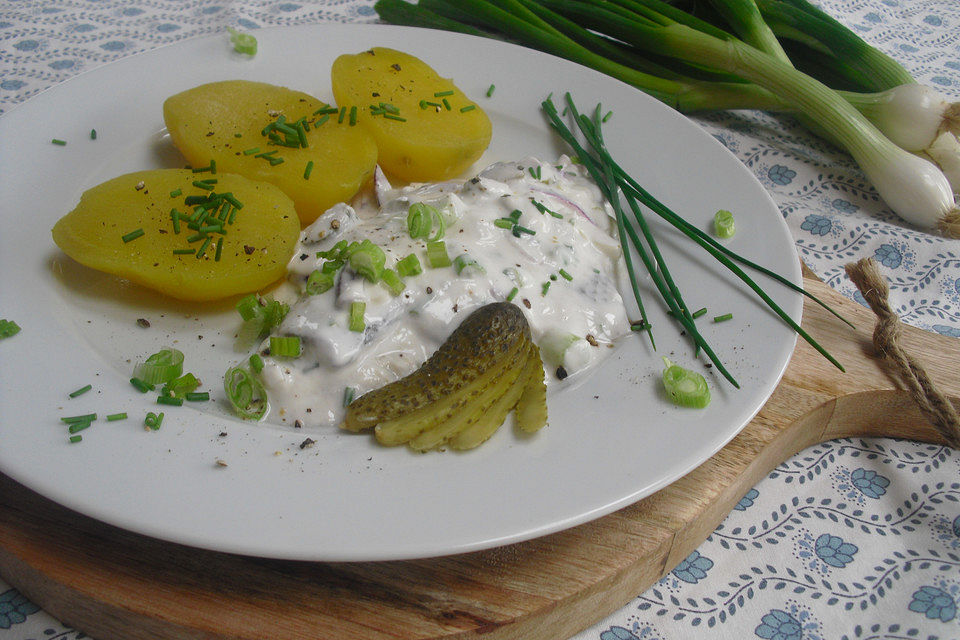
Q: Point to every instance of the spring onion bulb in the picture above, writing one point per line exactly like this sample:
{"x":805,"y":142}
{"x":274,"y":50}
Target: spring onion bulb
{"x":911,"y":115}
{"x":945,"y":151}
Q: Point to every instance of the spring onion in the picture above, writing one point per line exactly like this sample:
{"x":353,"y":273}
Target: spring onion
{"x":409,"y":266}
{"x":161,"y":367}
{"x":318,"y":282}
{"x":260,"y":316}
{"x":464,"y":262}
{"x":243,"y":42}
{"x":356,"y":321}
{"x":246,"y":393}
{"x":285,"y":346}
{"x":723,"y":224}
{"x":391,"y":280}
{"x":181,"y":386}
{"x":437,"y":254}
{"x":421,"y":219}
{"x":694,"y":65}
{"x":256,"y":363}
{"x":684,"y":387}
{"x":367,"y":260}
{"x":153,"y":420}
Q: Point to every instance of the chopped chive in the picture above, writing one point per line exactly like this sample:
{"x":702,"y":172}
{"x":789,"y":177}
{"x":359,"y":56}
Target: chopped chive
{"x":141,"y":385}
{"x":8,"y":328}
{"x":256,"y":363}
{"x":203,"y":247}
{"x":353,"y":115}
{"x":308,"y":170}
{"x":203,"y":185}
{"x":699,"y":312}
{"x":504,"y":223}
{"x":515,"y":215}
{"x":197,"y":396}
{"x":342,"y":115}
{"x":176,"y":193}
{"x":153,"y":420}
{"x":607,"y":116}
{"x":87,"y":417}
{"x":216,"y":256}
{"x":183,"y":252}
{"x":566,"y":276}
{"x":469,"y":107}
{"x":82,"y":390}
{"x":209,"y":167}
{"x":440,"y":94}
{"x":196,"y":237}
{"x":93,"y":134}
{"x":321,"y":121}
{"x":75,"y":439}
{"x":424,"y":104}
{"x":275,"y":161}
{"x":266,"y":154}
{"x":58,"y":142}
{"x":490,"y":90}
{"x":325,"y":111}
{"x":229,"y":197}
{"x":723,"y":318}
{"x":79,"y":426}
{"x":251,"y":151}
{"x":113,"y":417}
{"x":170,"y":400}
{"x":133,"y":235}
{"x":446,"y":104}
{"x":544,"y":288}
{"x":391,"y":116}
{"x":517,"y":230}
{"x":513,"y":292}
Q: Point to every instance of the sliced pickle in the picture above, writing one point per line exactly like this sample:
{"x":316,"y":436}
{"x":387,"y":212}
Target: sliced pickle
{"x":494,"y":383}
{"x":479,"y":432}
{"x":483,"y":342}
{"x":454,"y":424}
{"x":532,"y":406}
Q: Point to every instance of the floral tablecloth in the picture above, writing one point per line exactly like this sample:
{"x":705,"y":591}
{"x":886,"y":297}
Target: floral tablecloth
{"x":848,"y":540}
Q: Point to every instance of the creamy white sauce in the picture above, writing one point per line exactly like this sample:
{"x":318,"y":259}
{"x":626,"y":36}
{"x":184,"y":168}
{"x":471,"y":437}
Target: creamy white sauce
{"x":574,"y":320}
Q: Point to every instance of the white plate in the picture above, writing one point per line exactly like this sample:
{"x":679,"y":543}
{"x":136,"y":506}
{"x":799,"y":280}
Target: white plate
{"x":612,"y":438}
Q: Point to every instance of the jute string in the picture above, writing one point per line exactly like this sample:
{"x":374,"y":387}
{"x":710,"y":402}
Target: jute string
{"x":865,"y":274}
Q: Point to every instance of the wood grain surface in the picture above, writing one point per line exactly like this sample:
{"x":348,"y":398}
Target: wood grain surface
{"x":113,"y":584}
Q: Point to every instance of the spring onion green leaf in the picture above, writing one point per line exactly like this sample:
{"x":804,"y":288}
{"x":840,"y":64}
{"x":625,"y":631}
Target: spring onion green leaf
{"x":367,"y":259}
{"x":684,"y":387}
{"x":285,"y":346}
{"x":243,"y":42}
{"x":723,"y":224}
{"x":161,"y":367}
{"x":357,"y":322}
{"x":464,"y":262}
{"x":437,"y":254}
{"x":246,"y":393}
{"x":318,"y":282}
{"x":409,"y":266}
{"x":391,"y":280}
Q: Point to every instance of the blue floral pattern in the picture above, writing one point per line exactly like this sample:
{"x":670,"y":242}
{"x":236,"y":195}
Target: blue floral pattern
{"x":849,"y":539}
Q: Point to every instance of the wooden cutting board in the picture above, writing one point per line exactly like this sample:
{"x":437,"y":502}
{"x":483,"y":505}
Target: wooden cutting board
{"x":113,"y":584}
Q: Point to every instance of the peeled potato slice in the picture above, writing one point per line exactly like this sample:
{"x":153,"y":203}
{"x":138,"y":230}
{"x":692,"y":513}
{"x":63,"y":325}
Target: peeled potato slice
{"x":226,"y":121}
{"x":254,"y":252}
{"x":484,"y":341}
{"x":431,"y":137}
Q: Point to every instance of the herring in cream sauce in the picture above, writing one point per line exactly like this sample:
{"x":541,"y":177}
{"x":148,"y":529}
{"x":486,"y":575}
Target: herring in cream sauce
{"x":564,"y":267}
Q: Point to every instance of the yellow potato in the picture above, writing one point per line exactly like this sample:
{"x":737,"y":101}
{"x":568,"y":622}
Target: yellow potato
{"x":204,"y":123}
{"x":255,"y":247}
{"x":429,"y":144}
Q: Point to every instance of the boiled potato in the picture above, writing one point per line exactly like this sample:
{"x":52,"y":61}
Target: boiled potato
{"x":227,"y":121}
{"x":424,"y":144}
{"x":255,"y":247}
